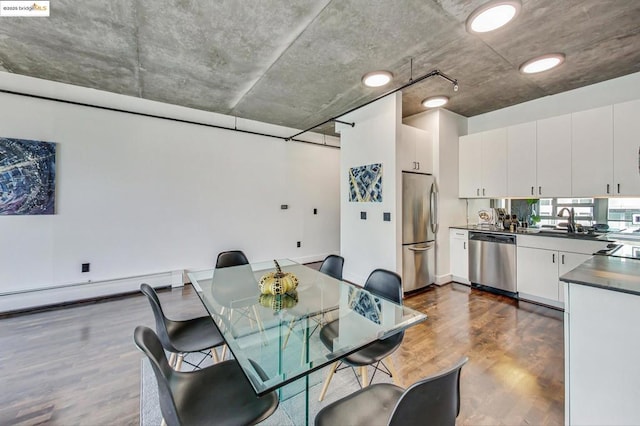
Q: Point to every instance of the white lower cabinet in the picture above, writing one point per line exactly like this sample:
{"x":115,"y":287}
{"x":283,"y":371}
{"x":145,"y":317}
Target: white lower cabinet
{"x":542,"y":261}
{"x":459,"y":255}
{"x":537,"y":273}
{"x":601,"y":357}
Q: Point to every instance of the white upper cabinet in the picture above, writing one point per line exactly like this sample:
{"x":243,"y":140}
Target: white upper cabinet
{"x":592,"y":152}
{"x":470,"y":166}
{"x":494,"y":163}
{"x":553,"y":157}
{"x":521,"y":160}
{"x":483,"y":164}
{"x":626,"y":148}
{"x":415,"y":150}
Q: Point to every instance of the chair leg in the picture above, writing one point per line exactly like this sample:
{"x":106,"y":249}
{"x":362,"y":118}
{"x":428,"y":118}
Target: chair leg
{"x":363,"y":375}
{"x":388,"y":361}
{"x":224,"y":351}
{"x":179,"y":362}
{"x":332,"y":370}
{"x":172,"y":359}
{"x":214,"y":355}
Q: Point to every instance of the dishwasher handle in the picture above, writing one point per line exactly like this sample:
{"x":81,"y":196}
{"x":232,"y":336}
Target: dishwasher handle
{"x":492,"y":238}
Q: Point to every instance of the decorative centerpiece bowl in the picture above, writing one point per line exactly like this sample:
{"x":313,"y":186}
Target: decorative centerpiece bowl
{"x":278,"y":282}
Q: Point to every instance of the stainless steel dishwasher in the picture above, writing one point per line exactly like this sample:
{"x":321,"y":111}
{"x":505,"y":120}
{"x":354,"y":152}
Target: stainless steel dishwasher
{"x":492,"y":260}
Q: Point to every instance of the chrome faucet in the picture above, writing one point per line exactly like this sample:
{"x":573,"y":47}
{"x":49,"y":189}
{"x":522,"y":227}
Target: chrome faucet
{"x":571,"y":227}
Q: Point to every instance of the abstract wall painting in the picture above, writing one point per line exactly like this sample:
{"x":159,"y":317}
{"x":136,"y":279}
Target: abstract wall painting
{"x":365,"y":183}
{"x":27,"y":177}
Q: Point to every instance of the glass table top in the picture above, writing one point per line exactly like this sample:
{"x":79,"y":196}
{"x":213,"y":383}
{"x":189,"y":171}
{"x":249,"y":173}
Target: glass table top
{"x":275,"y":339}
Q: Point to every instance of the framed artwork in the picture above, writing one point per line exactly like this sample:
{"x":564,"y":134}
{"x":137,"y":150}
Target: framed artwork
{"x":365,"y":183}
{"x":27,"y":177}
{"x":365,"y":305}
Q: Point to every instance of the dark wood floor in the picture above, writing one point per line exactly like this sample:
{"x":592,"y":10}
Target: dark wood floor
{"x":79,"y":365}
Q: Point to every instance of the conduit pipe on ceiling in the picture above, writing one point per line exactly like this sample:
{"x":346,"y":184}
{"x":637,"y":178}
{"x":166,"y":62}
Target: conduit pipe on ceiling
{"x":411,"y":82}
{"x":179,"y":120}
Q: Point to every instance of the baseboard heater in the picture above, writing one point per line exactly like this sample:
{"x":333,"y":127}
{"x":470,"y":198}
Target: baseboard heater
{"x":21,"y":300}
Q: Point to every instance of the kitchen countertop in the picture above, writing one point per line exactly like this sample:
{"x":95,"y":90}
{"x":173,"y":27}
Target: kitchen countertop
{"x":534,"y":231}
{"x":609,"y":273}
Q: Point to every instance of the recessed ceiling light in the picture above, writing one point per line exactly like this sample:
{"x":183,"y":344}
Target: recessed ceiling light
{"x":376,"y":78}
{"x":542,"y":63}
{"x":492,"y":15}
{"x":435,"y":102}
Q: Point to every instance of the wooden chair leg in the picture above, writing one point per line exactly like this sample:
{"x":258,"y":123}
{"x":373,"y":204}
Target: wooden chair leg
{"x":179,"y":362}
{"x":363,"y":375}
{"x":214,"y":355}
{"x":332,"y":370}
{"x":224,"y":351}
{"x":388,"y":361}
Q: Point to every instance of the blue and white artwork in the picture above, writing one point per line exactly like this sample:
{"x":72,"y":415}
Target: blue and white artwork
{"x":27,"y":177}
{"x":365,"y":305}
{"x":365,"y":183}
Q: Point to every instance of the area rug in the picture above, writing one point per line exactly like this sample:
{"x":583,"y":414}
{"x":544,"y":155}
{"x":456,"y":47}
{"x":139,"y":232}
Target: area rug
{"x":290,"y":411}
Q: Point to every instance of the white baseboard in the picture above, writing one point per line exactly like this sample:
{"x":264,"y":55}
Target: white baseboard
{"x":443,"y":279}
{"x":21,"y":300}
{"x":460,"y":280}
{"x":540,"y":300}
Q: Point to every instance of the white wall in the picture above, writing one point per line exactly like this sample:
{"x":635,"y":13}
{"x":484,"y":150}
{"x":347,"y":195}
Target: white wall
{"x":138,"y":195}
{"x":445,"y":127}
{"x":608,"y":92}
{"x":369,"y":244}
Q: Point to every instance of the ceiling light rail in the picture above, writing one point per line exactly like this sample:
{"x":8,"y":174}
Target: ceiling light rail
{"x":410,"y":83}
{"x":179,"y":120}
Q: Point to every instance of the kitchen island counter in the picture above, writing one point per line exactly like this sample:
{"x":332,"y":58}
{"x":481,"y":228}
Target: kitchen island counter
{"x":602,"y":310}
{"x":607,"y":272}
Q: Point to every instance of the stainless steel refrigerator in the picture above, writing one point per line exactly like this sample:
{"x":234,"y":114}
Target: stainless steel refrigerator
{"x":419,"y":228}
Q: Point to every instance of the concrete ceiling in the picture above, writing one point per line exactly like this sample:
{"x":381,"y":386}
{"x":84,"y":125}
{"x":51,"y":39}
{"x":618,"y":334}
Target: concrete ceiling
{"x":299,"y":63}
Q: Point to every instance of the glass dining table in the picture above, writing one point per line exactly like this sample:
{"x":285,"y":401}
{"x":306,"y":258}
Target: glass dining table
{"x":275,"y":339}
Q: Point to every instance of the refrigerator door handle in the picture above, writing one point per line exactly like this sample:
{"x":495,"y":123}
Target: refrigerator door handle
{"x":433,"y":204}
{"x":420,"y":248}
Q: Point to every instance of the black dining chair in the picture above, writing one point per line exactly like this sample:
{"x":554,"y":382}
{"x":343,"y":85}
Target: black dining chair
{"x":227,"y":259}
{"x":231,"y":258}
{"x":219,"y":394}
{"x":434,"y":400}
{"x":181,"y":337}
{"x":385,"y":284}
{"x":332,"y":266}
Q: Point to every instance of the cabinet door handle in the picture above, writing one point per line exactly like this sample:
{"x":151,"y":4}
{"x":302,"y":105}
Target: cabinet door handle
{"x":618,"y":188}
{"x":418,"y":165}
{"x":482,"y":191}
{"x":464,"y":245}
{"x":478,"y":191}
{"x":562,"y":259}
{"x":553,"y":257}
{"x":607,"y":188}
{"x":532,"y":190}
{"x":539,"y":190}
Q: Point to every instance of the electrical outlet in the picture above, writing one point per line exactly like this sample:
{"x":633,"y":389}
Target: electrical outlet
{"x":386,"y":217}
{"x":86,"y":267}
{"x":298,"y":244}
{"x":363,"y":215}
